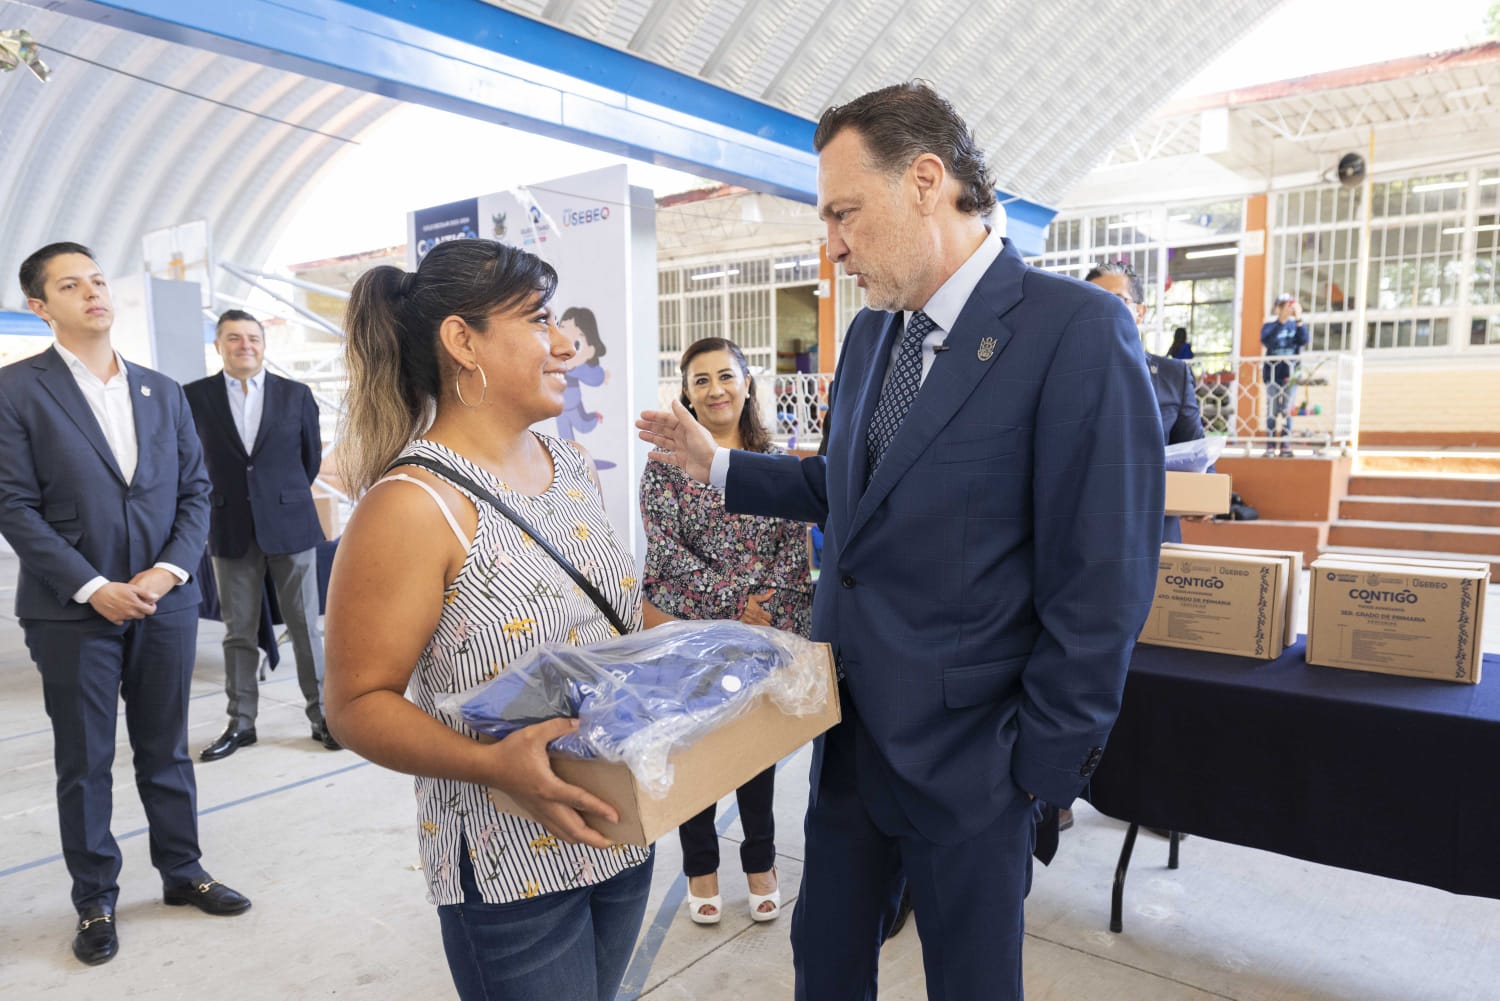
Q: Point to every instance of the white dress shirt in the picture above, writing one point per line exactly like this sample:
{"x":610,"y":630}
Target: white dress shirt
{"x":112,"y":407}
{"x":247,"y":399}
{"x":942,"y":309}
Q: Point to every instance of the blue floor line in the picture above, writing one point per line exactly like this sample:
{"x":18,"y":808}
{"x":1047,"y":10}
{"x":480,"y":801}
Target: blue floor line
{"x":29,"y":733}
{"x":651,"y":942}
{"x":202,"y":813}
{"x":121,"y":713}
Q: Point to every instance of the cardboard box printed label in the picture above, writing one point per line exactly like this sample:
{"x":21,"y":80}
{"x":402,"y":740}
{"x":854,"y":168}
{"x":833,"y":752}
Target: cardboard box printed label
{"x":702,"y":773}
{"x":1421,"y":620}
{"x":1197,"y":493}
{"x":1220,"y":602}
{"x":1291,"y":577}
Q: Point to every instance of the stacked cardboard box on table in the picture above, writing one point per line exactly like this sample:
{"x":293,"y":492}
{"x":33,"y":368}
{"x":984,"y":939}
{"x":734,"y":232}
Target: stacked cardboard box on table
{"x":1394,"y":615}
{"x":1290,"y":602}
{"x":1224,"y":600}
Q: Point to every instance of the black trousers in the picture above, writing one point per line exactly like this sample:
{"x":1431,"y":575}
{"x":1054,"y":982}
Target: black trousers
{"x":86,"y":668}
{"x":700,"y":839}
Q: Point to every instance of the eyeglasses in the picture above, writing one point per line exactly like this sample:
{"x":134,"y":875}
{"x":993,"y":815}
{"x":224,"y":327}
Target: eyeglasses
{"x":1124,"y":298}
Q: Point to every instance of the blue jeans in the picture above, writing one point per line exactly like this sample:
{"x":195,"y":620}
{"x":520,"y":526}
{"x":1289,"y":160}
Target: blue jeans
{"x":575,"y":944}
{"x":1279,"y":409}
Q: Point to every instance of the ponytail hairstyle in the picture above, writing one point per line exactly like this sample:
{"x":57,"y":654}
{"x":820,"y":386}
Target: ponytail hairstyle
{"x":395,"y":365}
{"x":753,"y":434}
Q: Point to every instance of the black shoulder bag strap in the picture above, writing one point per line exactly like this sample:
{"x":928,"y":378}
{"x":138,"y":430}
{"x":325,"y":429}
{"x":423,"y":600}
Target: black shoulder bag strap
{"x":447,"y":472}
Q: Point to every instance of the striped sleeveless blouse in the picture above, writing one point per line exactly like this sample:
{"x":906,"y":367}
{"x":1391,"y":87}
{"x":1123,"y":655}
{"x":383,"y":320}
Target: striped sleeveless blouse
{"x":508,"y":597}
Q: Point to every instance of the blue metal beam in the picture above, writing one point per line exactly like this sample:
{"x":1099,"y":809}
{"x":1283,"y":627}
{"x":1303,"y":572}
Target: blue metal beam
{"x":1026,"y":223}
{"x":14,"y":324}
{"x":475,"y":59}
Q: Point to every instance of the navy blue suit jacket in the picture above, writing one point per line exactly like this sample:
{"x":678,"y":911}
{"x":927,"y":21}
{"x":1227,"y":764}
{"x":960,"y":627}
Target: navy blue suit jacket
{"x":984,"y":592}
{"x":264,"y":494}
{"x":1177,"y":397}
{"x":64,"y":506}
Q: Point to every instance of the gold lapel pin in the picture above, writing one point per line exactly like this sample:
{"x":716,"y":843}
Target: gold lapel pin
{"x":987,"y":349}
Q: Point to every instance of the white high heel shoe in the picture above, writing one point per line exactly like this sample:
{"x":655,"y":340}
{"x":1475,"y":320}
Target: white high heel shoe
{"x":773,"y":898}
{"x":696,"y":905}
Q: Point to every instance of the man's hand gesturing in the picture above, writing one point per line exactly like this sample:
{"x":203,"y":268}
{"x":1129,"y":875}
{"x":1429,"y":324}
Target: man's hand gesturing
{"x":678,"y":440}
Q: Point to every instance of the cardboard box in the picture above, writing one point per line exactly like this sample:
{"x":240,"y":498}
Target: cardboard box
{"x":1410,"y":561}
{"x":1220,"y":602}
{"x":1292,"y":576}
{"x":1422,"y":619}
{"x":329,"y":515}
{"x":1197,"y":493}
{"x":703,"y":773}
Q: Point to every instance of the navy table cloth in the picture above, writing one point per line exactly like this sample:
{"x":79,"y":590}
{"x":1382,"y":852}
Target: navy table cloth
{"x":1386,"y":775}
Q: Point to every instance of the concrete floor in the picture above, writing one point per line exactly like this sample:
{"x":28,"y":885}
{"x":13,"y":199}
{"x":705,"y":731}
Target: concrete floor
{"x":324,"y":844}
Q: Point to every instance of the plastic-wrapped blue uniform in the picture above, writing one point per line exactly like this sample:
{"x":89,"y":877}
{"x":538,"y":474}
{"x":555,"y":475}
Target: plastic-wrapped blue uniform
{"x":688,"y":673}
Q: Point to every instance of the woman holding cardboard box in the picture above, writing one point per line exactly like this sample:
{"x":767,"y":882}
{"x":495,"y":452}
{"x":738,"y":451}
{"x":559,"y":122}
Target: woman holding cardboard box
{"x":435,"y":590}
{"x":704,"y":563}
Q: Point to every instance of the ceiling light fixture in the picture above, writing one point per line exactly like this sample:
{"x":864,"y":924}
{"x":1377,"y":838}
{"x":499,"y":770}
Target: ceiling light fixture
{"x":18,"y":48}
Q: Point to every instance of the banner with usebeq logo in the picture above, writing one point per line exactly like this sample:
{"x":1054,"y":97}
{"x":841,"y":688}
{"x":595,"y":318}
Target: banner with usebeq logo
{"x":581,"y":225}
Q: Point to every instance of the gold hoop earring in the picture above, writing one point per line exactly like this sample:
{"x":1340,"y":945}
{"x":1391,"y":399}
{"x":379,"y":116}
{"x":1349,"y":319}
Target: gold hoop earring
{"x":458,"y":386}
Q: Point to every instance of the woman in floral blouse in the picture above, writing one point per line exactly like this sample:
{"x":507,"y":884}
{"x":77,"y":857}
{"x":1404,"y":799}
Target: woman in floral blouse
{"x":704,"y":563}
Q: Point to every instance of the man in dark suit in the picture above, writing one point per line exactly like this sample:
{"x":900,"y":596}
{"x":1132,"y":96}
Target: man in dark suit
{"x":263,"y":449}
{"x":1172,"y":380}
{"x":993,"y":500}
{"x":104,"y":499}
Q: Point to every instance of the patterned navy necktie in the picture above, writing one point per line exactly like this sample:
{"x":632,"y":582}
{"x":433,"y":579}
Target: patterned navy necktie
{"x":900,"y":388}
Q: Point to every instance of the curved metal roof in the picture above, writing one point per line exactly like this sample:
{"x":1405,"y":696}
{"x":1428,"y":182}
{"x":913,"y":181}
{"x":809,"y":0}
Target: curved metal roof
{"x":1048,"y":87}
{"x":98,"y":157}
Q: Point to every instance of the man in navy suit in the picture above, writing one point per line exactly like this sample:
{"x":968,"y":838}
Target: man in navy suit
{"x":104,"y":499}
{"x":263,"y":449}
{"x":1172,"y":380}
{"x":992,"y":492}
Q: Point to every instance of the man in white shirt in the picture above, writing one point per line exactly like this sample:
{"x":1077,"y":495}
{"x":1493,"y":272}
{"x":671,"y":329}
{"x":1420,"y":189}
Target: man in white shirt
{"x":104,"y":499}
{"x":263,"y":450}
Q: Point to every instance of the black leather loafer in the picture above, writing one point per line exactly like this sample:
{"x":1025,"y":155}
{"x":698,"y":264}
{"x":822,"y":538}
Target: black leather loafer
{"x":208,"y":895}
{"x":96,"y":941}
{"x":231,"y":740}
{"x":321,"y":735}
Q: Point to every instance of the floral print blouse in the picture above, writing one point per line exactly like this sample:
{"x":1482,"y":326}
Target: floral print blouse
{"x":703,"y":562}
{"x":508,"y":597}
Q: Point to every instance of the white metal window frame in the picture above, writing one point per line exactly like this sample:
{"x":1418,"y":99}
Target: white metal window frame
{"x":1459,"y":313}
{"x":730,"y":295}
{"x":1074,"y":245}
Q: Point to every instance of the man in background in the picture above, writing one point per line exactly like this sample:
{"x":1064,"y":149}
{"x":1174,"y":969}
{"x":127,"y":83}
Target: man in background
{"x":263,"y":449}
{"x":1283,"y":337}
{"x":1171,"y":380}
{"x":104,"y":499}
